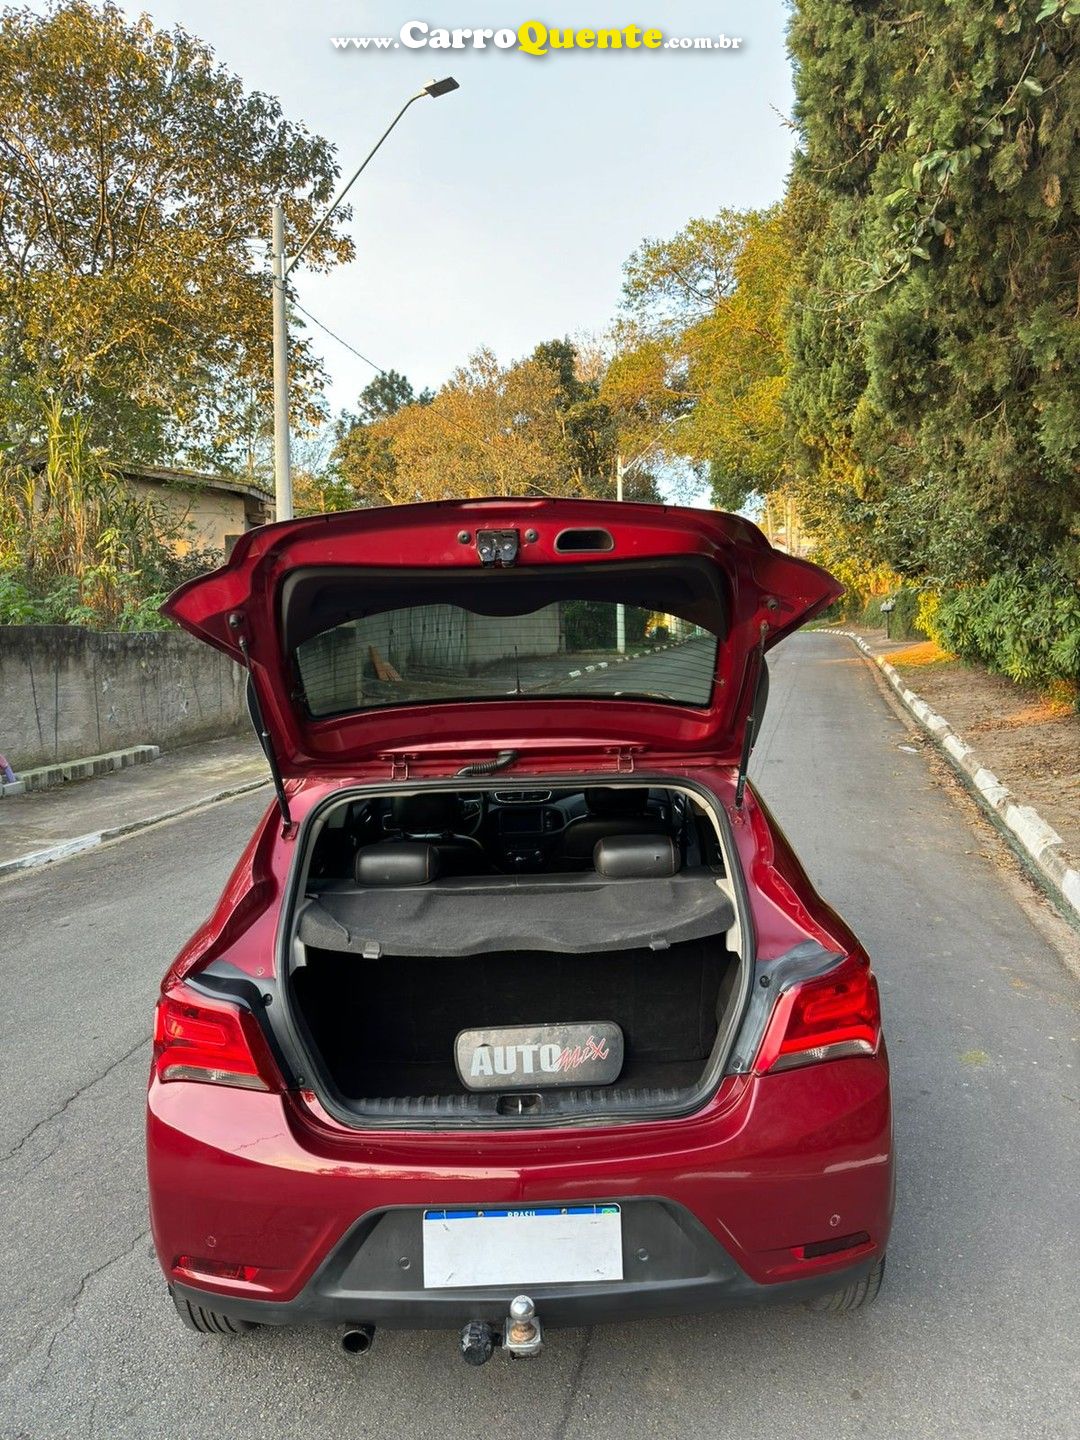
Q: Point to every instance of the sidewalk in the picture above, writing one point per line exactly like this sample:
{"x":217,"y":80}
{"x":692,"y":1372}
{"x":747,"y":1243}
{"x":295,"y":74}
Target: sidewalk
{"x":52,"y":824}
{"x":1000,"y":716}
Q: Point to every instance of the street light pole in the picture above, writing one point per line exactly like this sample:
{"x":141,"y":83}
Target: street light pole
{"x":283,"y":500}
{"x":282,"y":269}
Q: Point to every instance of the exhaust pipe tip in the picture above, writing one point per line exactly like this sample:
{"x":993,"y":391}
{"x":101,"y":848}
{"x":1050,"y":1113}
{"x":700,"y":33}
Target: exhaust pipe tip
{"x":358,"y":1339}
{"x":478,"y":1341}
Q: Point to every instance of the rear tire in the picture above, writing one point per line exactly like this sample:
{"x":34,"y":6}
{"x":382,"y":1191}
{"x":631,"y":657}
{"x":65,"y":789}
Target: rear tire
{"x":854,"y":1296}
{"x":208,"y":1322}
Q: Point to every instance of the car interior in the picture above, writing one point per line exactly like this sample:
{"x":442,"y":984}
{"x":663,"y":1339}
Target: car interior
{"x":511,"y":831}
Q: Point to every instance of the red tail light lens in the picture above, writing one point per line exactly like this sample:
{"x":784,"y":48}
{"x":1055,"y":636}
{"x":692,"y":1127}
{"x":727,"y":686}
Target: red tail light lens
{"x":835,"y":1016}
{"x":210,"y":1040}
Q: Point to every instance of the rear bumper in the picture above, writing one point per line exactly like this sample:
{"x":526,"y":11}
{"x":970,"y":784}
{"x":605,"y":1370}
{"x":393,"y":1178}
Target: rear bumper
{"x":281,"y":1216}
{"x":671,"y":1263}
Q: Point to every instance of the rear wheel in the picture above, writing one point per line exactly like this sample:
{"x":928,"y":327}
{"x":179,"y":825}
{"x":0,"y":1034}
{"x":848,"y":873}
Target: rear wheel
{"x":208,"y":1322}
{"x":854,"y":1296}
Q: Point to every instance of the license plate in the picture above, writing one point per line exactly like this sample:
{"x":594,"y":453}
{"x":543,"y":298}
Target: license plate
{"x":552,"y":1245}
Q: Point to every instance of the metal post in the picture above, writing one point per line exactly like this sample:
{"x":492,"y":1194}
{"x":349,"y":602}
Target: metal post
{"x":283,"y":497}
{"x":620,"y":610}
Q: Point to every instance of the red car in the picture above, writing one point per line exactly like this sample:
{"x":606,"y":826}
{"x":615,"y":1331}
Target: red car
{"x":518,"y":1009}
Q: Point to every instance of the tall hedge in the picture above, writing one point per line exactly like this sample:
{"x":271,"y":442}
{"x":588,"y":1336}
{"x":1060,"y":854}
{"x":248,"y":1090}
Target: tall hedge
{"x":935,"y":367}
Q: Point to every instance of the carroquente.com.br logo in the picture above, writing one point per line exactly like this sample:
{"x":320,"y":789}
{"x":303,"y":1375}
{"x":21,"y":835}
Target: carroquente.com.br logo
{"x":533,"y":37}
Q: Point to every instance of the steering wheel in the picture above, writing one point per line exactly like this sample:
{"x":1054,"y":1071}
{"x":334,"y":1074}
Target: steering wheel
{"x":473,"y":809}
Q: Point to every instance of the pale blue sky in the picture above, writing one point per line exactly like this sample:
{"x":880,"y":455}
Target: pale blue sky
{"x":502,"y":214}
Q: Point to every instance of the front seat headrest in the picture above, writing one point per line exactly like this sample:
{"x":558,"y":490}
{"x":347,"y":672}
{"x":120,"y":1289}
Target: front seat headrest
{"x":403,"y":863}
{"x":432,"y":814}
{"x":636,"y":857}
{"x":611,"y":801}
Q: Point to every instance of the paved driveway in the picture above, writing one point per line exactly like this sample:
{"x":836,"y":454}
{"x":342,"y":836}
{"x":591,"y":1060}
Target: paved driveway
{"x":975,"y":1334}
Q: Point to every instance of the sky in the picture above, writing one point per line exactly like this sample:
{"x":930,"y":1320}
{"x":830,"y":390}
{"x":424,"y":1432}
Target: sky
{"x":502,"y":214}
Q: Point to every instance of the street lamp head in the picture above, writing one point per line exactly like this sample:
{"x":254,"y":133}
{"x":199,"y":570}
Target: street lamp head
{"x":435,"y":88}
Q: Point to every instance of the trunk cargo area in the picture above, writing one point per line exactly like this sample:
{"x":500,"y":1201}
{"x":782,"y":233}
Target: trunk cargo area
{"x":388,"y":1029}
{"x":507,"y":915}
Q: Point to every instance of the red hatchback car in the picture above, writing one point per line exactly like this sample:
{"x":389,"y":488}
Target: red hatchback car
{"x":518,"y":1009}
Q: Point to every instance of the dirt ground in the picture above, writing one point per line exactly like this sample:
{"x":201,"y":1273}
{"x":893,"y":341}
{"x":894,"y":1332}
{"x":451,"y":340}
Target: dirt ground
{"x":1031,"y":741}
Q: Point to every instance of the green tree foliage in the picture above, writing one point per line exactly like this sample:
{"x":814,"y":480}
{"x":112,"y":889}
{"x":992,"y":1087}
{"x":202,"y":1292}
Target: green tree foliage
{"x":534,"y":427}
{"x":706,"y":344}
{"x":134,"y":174}
{"x":936,"y":337}
{"x":363,"y":459}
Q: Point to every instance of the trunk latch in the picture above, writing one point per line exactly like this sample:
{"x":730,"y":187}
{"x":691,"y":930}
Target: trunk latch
{"x":497,"y":547}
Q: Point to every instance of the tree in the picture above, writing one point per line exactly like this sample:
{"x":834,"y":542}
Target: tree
{"x":134,"y":173}
{"x":388,"y":393}
{"x":590,"y":426}
{"x":936,"y":335}
{"x":535,"y":427}
{"x":491,"y":430}
{"x":706,"y":343}
{"x":362,"y":457}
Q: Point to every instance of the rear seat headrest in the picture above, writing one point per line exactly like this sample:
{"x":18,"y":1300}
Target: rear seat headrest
{"x":636,"y":857}
{"x":403,"y":863}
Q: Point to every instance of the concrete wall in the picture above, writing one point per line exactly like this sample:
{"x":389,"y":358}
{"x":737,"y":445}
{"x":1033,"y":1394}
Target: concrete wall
{"x":67,"y":692}
{"x":424,"y":644}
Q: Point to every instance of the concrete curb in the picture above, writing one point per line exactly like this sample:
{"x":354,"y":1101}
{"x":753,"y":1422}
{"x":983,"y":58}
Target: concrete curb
{"x":63,"y":849}
{"x":43,"y":777}
{"x":1042,"y":845}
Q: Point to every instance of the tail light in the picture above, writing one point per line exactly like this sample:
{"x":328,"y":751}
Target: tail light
{"x":834,"y":1016}
{"x":210,"y":1040}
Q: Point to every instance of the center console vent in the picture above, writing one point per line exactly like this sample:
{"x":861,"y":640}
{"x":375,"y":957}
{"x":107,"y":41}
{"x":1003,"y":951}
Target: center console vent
{"x":521,"y":797}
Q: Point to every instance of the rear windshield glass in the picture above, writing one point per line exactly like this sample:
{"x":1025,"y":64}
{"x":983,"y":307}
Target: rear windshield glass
{"x":576,"y":648}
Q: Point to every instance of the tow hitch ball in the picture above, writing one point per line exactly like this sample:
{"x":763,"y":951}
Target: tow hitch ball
{"x":521,"y":1337}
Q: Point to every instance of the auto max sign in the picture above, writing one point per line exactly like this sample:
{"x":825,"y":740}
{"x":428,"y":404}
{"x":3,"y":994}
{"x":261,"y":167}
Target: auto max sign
{"x":534,"y":1057}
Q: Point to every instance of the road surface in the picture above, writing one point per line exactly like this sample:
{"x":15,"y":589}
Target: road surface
{"x":975,"y":1333}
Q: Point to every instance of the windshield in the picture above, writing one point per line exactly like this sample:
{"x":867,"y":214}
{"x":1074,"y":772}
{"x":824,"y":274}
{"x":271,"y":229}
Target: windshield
{"x":426,"y":653}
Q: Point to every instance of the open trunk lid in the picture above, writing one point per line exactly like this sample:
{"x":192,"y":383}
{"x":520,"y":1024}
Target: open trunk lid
{"x":474,"y":626}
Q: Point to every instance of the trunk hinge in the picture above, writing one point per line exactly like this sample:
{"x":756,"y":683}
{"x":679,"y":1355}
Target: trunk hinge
{"x":255,"y":712}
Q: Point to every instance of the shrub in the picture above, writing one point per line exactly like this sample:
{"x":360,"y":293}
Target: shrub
{"x":78,"y":546}
{"x":1023,"y":624}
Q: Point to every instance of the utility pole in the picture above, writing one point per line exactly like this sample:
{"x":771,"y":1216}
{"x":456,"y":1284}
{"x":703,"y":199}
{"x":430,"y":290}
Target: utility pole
{"x":620,"y":609}
{"x":282,"y":269}
{"x":283,"y":499}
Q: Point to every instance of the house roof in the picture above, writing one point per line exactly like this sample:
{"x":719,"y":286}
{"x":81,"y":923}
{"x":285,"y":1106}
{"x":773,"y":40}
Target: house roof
{"x":195,"y":480}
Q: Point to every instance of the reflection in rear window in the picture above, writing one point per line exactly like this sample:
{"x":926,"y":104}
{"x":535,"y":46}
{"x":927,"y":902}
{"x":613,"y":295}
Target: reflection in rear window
{"x":424,"y":654}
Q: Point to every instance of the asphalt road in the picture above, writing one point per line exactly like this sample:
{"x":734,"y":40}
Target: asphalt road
{"x":975,"y":1333}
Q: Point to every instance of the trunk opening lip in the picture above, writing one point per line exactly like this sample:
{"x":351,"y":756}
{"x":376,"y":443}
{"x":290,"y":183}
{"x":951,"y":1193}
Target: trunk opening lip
{"x":297,"y":1046}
